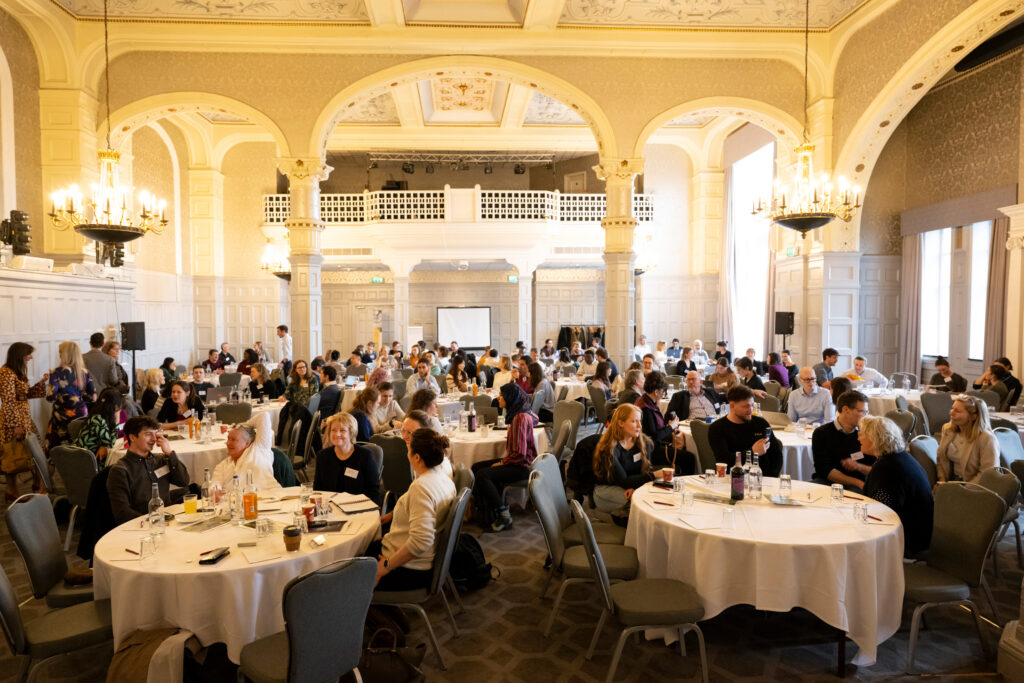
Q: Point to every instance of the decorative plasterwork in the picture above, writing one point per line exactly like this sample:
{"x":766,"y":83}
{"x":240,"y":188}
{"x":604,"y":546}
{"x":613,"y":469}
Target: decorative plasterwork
{"x":222,"y":117}
{"x":374,"y":110}
{"x":356,"y":277}
{"x":690,"y":121}
{"x":340,"y":11}
{"x":547,"y":111}
{"x":622,"y":170}
{"x":301,"y":168}
{"x":570,"y":275}
{"x":462,"y":94}
{"x":705,"y":13}
{"x":462,"y":276}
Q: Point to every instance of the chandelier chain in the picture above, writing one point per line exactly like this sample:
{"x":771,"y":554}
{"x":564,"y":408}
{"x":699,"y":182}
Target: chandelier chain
{"x":106,"y":71}
{"x":807,"y":42}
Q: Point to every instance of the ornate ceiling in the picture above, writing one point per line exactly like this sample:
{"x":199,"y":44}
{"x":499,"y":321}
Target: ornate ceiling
{"x":701,"y":13}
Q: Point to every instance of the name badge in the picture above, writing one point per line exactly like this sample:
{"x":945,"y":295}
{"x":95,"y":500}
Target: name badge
{"x":187,"y":413}
{"x":351,"y":472}
{"x":636,"y":457}
{"x":857,"y":456}
{"x":120,"y":427}
{"x":162,"y":472}
{"x":949,"y":379}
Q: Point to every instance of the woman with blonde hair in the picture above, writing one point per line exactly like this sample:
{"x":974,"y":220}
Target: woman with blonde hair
{"x":968,"y":446}
{"x":344,"y":466}
{"x":661,"y":355}
{"x":362,"y":411}
{"x":621,"y":460}
{"x":153,"y":380}
{"x":504,"y":374}
{"x":70,"y":389}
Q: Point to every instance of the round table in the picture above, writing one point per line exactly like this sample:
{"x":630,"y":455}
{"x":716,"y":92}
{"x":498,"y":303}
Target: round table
{"x":469,"y":448}
{"x":232,"y":602}
{"x":817,"y":557}
{"x":880,"y":402}
{"x":797,"y":457}
{"x":574,"y":389}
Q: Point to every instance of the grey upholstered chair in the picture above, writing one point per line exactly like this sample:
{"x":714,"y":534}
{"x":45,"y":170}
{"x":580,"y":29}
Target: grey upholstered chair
{"x":561,"y":439}
{"x":39,"y":458}
{"x":699,"y":430}
{"x":395,"y":473}
{"x":641,"y":604}
{"x":966,"y":519}
{"x":376,"y":452}
{"x":991,"y":398}
{"x":776,"y":419}
{"x":905,"y":421}
{"x":487,"y":416}
{"x":901,"y":403}
{"x":1005,"y":484}
{"x":621,"y":561}
{"x":463,"y":478}
{"x":312,"y":604}
{"x":769,"y":403}
{"x":1010,"y":448}
{"x":77,"y":467}
{"x":936,"y":406}
{"x":230,"y":379}
{"x":573,"y":411}
{"x":925,"y":450}
{"x":233,"y":413}
{"x":34,"y":530}
{"x":921,"y":427}
{"x":600,"y":406}
{"x":773,"y":388}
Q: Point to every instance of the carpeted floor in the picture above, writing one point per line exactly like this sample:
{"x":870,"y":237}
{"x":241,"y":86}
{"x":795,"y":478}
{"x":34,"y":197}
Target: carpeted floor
{"x":501,"y":632}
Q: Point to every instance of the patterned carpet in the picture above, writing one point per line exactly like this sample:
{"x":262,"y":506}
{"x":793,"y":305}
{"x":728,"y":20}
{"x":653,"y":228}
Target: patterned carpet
{"x":501,"y":633}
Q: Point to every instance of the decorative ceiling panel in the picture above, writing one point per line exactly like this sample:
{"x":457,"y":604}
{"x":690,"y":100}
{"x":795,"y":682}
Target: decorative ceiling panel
{"x":380,"y":110}
{"x":547,"y":111}
{"x":462,"y":94}
{"x":705,"y":13}
{"x":465,"y":11}
{"x":222,"y":117}
{"x":690,"y":121}
{"x":334,"y":11}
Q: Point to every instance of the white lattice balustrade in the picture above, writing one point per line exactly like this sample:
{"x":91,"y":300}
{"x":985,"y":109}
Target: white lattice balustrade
{"x":518,"y":205}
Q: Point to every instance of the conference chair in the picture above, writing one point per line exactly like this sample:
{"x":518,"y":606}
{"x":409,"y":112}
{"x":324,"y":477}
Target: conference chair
{"x":446,"y":538}
{"x":314,"y":404}
{"x":640,"y":604}
{"x":600,"y":406}
{"x":295,"y":450}
{"x":966,"y":519}
{"x":571,"y":562}
{"x":560,"y":440}
{"x":55,"y":633}
{"x":776,"y":419}
{"x":376,"y":452}
{"x":901,"y":403}
{"x":395,"y":473}
{"x":233,"y":413}
{"x":1004,"y":483}
{"x":991,"y":398}
{"x":699,"y":431}
{"x":39,"y":459}
{"x":34,"y":530}
{"x":905,"y":421}
{"x":284,"y":472}
{"x":77,"y":467}
{"x":674,"y":381}
{"x":405,"y":402}
{"x":398,"y":387}
{"x":997,"y":422}
{"x":480,"y":401}
{"x":897,"y":378}
{"x":936,"y":406}
{"x":463,"y":478}
{"x":572,"y":411}
{"x":925,"y":450}
{"x":309,"y":447}
{"x":230,"y":379}
{"x":773,"y":388}
{"x":312,"y":604}
{"x":920,"y":421}
{"x":75,"y":426}
{"x":769,"y":403}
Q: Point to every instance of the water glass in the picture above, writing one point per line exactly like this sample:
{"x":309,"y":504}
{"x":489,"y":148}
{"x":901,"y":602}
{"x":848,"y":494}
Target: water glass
{"x":147,"y":546}
{"x":860,"y":512}
{"x":305,"y":492}
{"x":728,"y":518}
{"x":501,"y":422}
{"x":837,"y":494}
{"x":183,"y":430}
{"x":785,"y":485}
{"x":688,"y":500}
{"x":709,"y":477}
{"x":677,"y":485}
{"x":299,"y":520}
{"x":262,"y":527}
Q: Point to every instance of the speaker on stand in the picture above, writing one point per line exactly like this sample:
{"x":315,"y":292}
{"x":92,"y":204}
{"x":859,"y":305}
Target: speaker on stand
{"x":784,"y":324}
{"x":133,"y":338}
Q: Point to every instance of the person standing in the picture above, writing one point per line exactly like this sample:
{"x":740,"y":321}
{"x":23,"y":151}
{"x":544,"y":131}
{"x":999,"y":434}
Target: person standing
{"x":102,"y":368}
{"x":15,"y":415}
{"x":284,"y":345}
{"x":70,"y":388}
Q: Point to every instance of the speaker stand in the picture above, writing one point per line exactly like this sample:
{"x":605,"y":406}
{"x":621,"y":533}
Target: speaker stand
{"x":783,"y":345}
{"x":132,"y":379}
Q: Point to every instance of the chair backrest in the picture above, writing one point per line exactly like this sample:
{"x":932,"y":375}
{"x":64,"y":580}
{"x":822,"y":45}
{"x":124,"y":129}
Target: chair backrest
{"x":405,"y":402}
{"x":488,"y":415}
{"x":34,"y":530}
{"x":233,"y":413}
{"x":1001,"y":423}
{"x":214,"y":394}
{"x":407,"y":372}
{"x":925,"y":450}
{"x":699,"y":430}
{"x":905,"y":421}
{"x":674,"y":381}
{"x":1010,"y":448}
{"x":966,"y":519}
{"x":920,"y":421}
{"x":375,"y":451}
{"x":561,"y":438}
{"x":572,"y":411}
{"x":776,"y":419}
{"x":352,"y":371}
{"x":547,"y":464}
{"x":312,"y":433}
{"x":447,"y":538}
{"x":599,"y":401}
{"x":784,"y":394}
{"x":593,"y":554}
{"x":991,"y":398}
{"x":39,"y":458}
{"x":10,"y":616}
{"x":481,"y":401}
{"x":284,"y":472}
{"x":1003,"y":483}
{"x":398,"y":386}
{"x":314,"y":404}
{"x":562,"y":393}
{"x":312,"y":604}
{"x":463,"y":478}
{"x":936,"y":407}
{"x":230,"y":379}
{"x":547,"y":513}
{"x":77,"y":467}
{"x":294,"y":445}
{"x":1017,"y":467}
{"x":773,"y":388}
{"x":901,"y":403}
{"x":395,"y":473}
{"x":897,"y":378}
{"x":567,"y":371}
{"x":769,"y":402}
{"x":75,"y":426}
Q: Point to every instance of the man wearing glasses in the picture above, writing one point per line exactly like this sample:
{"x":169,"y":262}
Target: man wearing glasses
{"x":810,"y":403}
{"x":131,"y":479}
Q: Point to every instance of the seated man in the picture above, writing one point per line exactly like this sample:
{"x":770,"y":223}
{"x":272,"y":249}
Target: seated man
{"x":355,"y":364}
{"x":213,"y":363}
{"x":330,"y":392}
{"x":421,"y":379}
{"x":749,"y":379}
{"x":742,"y":431}
{"x":675,"y":351}
{"x":601,"y":355}
{"x":810,"y":403}
{"x":859,"y":371}
{"x":198,"y":381}
{"x":823,"y":373}
{"x":697,"y":402}
{"x":387,"y":415}
{"x":249,"y":450}
{"x":225,"y":356}
{"x":131,"y":478}
{"x":836,"y":446}
{"x":641,"y":349}
{"x":791,"y":367}
{"x":335,"y":361}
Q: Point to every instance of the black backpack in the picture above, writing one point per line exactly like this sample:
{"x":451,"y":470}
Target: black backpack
{"x":469,"y":569}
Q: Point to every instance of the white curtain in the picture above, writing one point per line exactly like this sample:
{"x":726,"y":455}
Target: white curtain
{"x":769,"y":309}
{"x":909,"y":343}
{"x":995,"y":305}
{"x":727,"y":273}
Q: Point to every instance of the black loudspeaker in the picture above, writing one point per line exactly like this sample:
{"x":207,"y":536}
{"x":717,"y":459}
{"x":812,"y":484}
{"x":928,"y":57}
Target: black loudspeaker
{"x":133,"y":336}
{"x":784,"y":321}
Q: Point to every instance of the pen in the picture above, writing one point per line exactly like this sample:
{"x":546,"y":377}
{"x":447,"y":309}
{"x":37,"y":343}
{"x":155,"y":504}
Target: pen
{"x":129,"y":550}
{"x":877,"y":519}
{"x":206,"y":552}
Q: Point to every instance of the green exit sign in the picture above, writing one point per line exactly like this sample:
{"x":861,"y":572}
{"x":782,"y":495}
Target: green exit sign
{"x":790,"y":251}
{"x":377,"y":279}
{"x":513,"y":278}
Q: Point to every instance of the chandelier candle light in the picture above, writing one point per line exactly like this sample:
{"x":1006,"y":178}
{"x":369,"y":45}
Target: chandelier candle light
{"x":275,"y":261}
{"x":109,"y":216}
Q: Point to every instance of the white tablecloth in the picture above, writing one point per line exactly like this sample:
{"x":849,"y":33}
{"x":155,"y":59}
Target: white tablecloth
{"x":848,"y":574}
{"x":576,"y":389}
{"x":231,"y":602}
{"x":797,"y":458}
{"x":880,"y":403}
{"x":467,"y":449}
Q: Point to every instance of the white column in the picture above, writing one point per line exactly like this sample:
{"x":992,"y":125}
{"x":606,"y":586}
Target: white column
{"x":1013,"y":345}
{"x":305,"y":232}
{"x":619,"y":258}
{"x":526,"y":308}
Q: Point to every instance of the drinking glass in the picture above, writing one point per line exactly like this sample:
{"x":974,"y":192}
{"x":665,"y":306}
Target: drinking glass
{"x":785,"y":485}
{"x":709,"y":477}
{"x":305,"y":492}
{"x":501,"y":422}
{"x":191,"y":504}
{"x":183,"y":430}
{"x":728,"y":518}
{"x":688,"y":500}
{"x":860,"y":512}
{"x":147,"y":547}
{"x":262,"y":527}
{"x":299,"y":520}
{"x":837,"y":494}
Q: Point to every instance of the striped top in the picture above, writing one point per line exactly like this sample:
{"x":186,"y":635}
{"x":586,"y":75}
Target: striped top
{"x":520,"y":446}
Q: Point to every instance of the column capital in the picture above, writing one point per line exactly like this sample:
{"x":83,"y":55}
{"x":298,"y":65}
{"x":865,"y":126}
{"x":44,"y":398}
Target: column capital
{"x":304,"y":168}
{"x":619,"y":170}
{"x":1015,"y":213}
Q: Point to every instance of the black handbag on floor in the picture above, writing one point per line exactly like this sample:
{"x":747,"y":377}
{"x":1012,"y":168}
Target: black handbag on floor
{"x":391,"y":664}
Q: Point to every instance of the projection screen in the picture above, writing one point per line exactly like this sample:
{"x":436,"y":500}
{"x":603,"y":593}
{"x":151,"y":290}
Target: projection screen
{"x":469,"y":326}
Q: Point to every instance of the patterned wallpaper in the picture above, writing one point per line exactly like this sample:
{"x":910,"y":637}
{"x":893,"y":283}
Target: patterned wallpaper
{"x":152,"y":171}
{"x":248,"y":175}
{"x":885,"y":198}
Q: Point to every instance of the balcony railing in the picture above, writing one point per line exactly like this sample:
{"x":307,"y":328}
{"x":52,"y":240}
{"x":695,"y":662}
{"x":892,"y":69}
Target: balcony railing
{"x":403,"y":206}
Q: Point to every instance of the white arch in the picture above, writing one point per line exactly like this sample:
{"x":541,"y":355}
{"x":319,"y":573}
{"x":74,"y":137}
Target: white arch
{"x":466,"y":65}
{"x":50,"y":31}
{"x":8,"y":168}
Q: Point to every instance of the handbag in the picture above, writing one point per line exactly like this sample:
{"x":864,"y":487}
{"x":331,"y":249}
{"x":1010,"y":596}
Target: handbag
{"x":391,"y":664}
{"x":15,"y":457}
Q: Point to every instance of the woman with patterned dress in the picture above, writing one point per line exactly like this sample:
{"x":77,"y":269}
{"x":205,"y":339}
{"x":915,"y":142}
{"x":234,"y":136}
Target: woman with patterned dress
{"x":302,"y":386}
{"x":70,"y":388}
{"x":15,"y":415}
{"x":99,"y":434}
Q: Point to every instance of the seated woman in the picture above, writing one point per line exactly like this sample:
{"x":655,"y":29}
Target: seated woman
{"x":344,"y":466}
{"x":362,"y":412}
{"x":249,"y":359}
{"x":261,"y":353}
{"x":472,"y":369}
{"x":839,"y":385}
{"x":151,"y":391}
{"x":654,"y":424}
{"x":686,"y":363}
{"x":405,"y":555}
{"x":520,"y":452}
{"x":504,"y":374}
{"x":632,"y":386}
{"x":621,"y":461}
{"x":99,"y":433}
{"x":168,"y":368}
{"x":249,"y":450}
{"x":723,"y":378}
{"x":776,"y":370}
{"x":387,"y":415}
{"x":379,"y":375}
{"x":563,"y":361}
{"x":603,"y":379}
{"x":945,"y":379}
{"x":968,"y":446}
{"x":545,"y":389}
{"x":897,"y":480}
{"x":457,"y":380}
{"x":260,"y":384}
{"x":302,"y":386}
{"x":182,"y":405}
{"x":426,"y":400}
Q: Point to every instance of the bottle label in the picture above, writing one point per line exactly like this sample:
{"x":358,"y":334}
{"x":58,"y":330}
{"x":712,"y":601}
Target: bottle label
{"x":249,"y":506}
{"x":737,"y":487}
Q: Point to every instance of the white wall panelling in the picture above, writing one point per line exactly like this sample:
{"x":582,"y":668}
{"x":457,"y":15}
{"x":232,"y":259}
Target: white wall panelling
{"x":566,"y":297}
{"x":502,"y":297}
{"x":348,"y":314}
{"x":789,"y":296}
{"x":683,"y":306}
{"x":879,"y":311}
{"x":239,"y":311}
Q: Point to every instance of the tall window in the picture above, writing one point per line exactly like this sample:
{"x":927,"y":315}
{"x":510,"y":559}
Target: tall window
{"x":936,"y":264}
{"x":751,"y":178}
{"x":981,"y":238}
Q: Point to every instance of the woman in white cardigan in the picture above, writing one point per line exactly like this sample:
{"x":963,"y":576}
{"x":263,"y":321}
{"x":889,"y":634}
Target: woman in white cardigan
{"x":249,"y":450}
{"x":967,"y":446}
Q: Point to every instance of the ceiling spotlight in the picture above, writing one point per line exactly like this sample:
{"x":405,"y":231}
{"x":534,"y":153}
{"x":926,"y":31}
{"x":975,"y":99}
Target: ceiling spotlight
{"x":454,"y":166}
{"x":429,"y":168}
{"x":488,"y":168}
{"x":463,"y":166}
{"x":407,"y":167}
{"x":519,"y":169}
{"x":373,"y":164}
